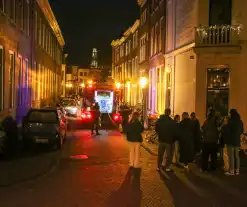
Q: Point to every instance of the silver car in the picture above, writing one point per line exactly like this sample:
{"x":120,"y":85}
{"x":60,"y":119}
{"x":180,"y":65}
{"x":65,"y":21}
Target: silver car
{"x":72,"y":107}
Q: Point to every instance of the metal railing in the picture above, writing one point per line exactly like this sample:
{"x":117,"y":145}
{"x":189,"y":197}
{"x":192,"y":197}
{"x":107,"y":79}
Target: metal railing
{"x":217,"y":35}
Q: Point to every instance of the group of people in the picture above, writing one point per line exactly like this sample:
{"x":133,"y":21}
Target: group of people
{"x":185,"y":138}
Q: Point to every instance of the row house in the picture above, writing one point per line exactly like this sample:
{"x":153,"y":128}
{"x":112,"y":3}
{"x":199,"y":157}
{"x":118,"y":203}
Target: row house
{"x":193,"y":53}
{"x":31,"y":46}
{"x":206,"y":54}
{"x":125,"y":67}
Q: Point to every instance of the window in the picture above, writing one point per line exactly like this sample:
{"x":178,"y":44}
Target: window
{"x":126,"y":48}
{"x":11,"y":79}
{"x":168,"y":90}
{"x":40,"y":31}
{"x":136,"y":65}
{"x":21,"y":13}
{"x":81,"y":73}
{"x":130,"y":46}
{"x":24,"y":8}
{"x":152,"y":42}
{"x":43,"y":37}
{"x":20,"y":85}
{"x":161,"y":34}
{"x":1,"y":78}
{"x":143,"y":48}
{"x":28,"y":17}
{"x":12,"y":10}
{"x":144,"y":17}
{"x":156,"y":34}
{"x":36,"y":26}
{"x":2,"y":4}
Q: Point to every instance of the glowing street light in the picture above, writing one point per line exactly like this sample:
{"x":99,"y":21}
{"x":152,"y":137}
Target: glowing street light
{"x":83,"y":85}
{"x":69,"y":85}
{"x":143,"y":82}
{"x":90,"y":82}
{"x":118,"y":85}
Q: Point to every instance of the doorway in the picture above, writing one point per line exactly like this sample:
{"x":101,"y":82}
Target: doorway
{"x":218,"y":85}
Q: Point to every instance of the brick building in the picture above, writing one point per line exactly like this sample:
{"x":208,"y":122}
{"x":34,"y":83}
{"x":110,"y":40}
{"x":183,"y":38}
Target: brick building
{"x":31,"y":47}
{"x":125,"y":67}
{"x":196,"y":55}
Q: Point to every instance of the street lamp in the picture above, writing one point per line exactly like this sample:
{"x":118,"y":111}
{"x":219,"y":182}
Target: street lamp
{"x":83,"y":85}
{"x":69,"y":85}
{"x":143,"y":82}
{"x":118,"y":85}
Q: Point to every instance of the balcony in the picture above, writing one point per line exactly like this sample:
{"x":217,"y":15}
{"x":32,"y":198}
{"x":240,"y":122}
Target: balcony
{"x":217,"y":39}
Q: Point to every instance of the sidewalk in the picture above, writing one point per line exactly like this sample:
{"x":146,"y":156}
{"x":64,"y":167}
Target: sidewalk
{"x":233,"y":184}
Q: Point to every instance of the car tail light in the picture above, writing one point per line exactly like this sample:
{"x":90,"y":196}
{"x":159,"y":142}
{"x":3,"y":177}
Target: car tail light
{"x":116,"y":117}
{"x":89,"y":116}
{"x":83,"y":115}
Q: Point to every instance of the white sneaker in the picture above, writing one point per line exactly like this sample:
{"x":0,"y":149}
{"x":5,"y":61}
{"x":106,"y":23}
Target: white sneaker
{"x":229,"y":173}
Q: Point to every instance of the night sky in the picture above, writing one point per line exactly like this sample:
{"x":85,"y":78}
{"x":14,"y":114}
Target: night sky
{"x":86,"y":24}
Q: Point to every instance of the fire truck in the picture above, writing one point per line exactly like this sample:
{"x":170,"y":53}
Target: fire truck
{"x":104,"y":93}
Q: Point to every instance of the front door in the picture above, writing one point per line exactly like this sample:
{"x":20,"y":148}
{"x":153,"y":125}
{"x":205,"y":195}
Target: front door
{"x":218,"y":90}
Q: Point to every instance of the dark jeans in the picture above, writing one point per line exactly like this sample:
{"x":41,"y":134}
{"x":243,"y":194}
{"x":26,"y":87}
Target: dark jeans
{"x":95,"y":126}
{"x":209,"y":150}
{"x":166,"y":149}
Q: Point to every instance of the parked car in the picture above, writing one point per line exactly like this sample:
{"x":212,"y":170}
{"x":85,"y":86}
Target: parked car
{"x":2,"y":142}
{"x":44,"y":126}
{"x":72,"y":107}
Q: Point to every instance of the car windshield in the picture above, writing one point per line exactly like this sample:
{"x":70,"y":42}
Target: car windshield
{"x":42,"y":116}
{"x":68,"y":103}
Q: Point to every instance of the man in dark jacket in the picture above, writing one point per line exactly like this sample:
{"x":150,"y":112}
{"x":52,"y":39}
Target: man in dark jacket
{"x":166,"y":129}
{"x":96,"y":119}
{"x":196,"y":132}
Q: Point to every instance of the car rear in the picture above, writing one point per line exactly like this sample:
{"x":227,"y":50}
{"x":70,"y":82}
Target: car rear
{"x":71,"y":107}
{"x":41,"y":126}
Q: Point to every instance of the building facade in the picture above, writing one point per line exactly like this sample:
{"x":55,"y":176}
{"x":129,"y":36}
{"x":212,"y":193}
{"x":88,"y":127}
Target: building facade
{"x":207,"y":63}
{"x":196,"y":55}
{"x":31,"y":46}
{"x":125,"y":67}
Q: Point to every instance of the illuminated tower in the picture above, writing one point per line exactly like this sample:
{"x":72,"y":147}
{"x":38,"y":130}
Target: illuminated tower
{"x":94,"y":63}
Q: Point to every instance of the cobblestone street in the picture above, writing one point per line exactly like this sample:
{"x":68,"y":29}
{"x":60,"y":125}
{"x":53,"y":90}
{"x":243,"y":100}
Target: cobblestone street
{"x":92,"y":172}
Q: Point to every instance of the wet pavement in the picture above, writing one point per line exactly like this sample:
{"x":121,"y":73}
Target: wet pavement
{"x":93,"y":171}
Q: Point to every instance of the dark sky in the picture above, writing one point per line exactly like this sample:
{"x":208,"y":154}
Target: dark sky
{"x":93,"y":23}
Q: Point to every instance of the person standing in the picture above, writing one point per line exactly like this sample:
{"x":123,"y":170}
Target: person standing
{"x":223,"y":149}
{"x":96,"y":118}
{"x":196,"y":132}
{"x":134,"y":131}
{"x":165,"y":127}
{"x":176,"y":144}
{"x":186,"y":141}
{"x":125,"y":112}
{"x":235,"y":129}
{"x":210,"y":142}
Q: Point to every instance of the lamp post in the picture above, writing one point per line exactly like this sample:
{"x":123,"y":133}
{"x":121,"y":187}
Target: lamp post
{"x":118,"y":86}
{"x":143,"y":82}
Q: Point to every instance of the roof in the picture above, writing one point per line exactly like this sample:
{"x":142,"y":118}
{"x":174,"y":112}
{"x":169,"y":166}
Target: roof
{"x":46,"y":9}
{"x":126,"y":34}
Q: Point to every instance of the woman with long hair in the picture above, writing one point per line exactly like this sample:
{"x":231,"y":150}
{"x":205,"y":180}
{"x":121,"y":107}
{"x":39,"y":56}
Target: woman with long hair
{"x":134,"y":137}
